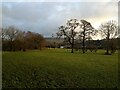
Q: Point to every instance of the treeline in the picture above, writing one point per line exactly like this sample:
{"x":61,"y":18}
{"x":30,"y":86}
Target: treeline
{"x":78,"y":34}
{"x":94,"y":45}
{"x":13,"y":39}
{"x":90,"y":45}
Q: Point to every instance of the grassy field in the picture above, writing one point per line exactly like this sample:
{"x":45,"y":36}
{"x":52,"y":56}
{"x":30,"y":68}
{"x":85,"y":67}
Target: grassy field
{"x":58,"y":68}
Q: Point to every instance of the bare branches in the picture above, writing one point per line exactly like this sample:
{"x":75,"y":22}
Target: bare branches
{"x":68,"y":31}
{"x":109,"y":29}
{"x":87,"y":31}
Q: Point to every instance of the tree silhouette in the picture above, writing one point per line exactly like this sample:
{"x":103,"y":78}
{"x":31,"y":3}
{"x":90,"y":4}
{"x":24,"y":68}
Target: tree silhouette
{"x":68,"y":31}
{"x":108,"y":31}
{"x":86,"y":31}
{"x":10,"y":34}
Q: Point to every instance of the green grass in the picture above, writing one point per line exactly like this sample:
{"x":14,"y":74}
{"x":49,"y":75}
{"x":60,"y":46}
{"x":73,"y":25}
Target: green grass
{"x":58,"y":68}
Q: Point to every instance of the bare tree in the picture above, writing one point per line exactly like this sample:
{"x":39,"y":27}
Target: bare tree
{"x":10,"y":34}
{"x":86,"y":31}
{"x":68,"y":31}
{"x":108,"y":31}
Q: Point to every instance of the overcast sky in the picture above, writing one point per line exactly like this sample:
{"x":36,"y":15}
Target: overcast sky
{"x":46,"y":17}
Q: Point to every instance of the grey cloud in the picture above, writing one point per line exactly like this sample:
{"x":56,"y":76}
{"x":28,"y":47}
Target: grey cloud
{"x":46,"y":17}
{"x":27,"y":11}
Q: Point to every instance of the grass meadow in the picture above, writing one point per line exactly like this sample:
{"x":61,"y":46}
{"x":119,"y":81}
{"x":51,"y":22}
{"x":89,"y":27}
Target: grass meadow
{"x":58,"y":68}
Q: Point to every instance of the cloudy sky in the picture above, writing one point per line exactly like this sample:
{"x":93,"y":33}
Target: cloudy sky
{"x":46,"y":17}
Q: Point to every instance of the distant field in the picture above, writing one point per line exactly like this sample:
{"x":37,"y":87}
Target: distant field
{"x":58,"y":68}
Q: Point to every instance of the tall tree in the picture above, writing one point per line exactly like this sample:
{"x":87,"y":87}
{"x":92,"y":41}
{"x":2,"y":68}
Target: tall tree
{"x":86,"y":31}
{"x":68,"y":31}
{"x":108,"y":31}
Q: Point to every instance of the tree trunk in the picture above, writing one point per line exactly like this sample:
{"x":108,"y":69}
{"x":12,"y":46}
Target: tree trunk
{"x":72,"y":48}
{"x":107,"y":49}
{"x":10,"y":45}
{"x":83,"y":46}
{"x":72,"y":45}
{"x":83,"y":49}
